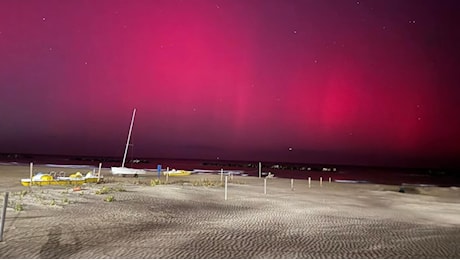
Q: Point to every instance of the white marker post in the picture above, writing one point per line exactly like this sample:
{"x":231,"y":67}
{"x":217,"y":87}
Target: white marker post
{"x":265,"y":186}
{"x":329,"y":179}
{"x":309,"y":182}
{"x":221,"y":175}
{"x":226,"y":187}
{"x":292,"y":184}
{"x":99,"y":173}
{"x":321,"y":181}
{"x":2,"y":223}
{"x":167,"y":174}
{"x":260,"y":170}
{"x":31,"y":173}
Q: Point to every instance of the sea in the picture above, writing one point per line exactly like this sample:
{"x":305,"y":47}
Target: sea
{"x":337,"y":173}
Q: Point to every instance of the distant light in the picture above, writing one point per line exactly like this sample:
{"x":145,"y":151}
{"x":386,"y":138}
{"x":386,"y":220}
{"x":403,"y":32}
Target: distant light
{"x":290,"y":148}
{"x":44,"y":19}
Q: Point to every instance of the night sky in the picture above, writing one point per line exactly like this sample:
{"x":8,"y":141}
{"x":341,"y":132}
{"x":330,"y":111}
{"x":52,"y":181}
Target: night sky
{"x":344,"y":82}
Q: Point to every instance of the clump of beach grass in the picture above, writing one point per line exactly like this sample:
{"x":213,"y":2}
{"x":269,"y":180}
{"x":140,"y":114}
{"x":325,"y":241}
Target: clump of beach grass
{"x":109,"y":198}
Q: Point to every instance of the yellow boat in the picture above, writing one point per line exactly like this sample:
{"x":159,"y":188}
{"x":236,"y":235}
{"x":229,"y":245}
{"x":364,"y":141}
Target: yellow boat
{"x":177,"y":173}
{"x":45,"y":179}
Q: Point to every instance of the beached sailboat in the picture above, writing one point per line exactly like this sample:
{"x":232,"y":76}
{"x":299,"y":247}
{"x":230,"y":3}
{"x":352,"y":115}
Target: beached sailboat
{"x":124,"y":170}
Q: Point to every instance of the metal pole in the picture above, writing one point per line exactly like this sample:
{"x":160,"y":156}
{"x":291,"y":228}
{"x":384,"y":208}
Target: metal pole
{"x":129,"y":136}
{"x":2,"y":223}
{"x":260,"y":170}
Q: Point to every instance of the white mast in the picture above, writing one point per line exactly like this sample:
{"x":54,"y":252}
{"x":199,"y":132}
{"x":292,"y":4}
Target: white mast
{"x":129,"y":136}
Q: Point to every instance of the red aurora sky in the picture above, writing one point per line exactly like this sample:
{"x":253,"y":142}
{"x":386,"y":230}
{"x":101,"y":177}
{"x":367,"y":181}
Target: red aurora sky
{"x":354,"y":82}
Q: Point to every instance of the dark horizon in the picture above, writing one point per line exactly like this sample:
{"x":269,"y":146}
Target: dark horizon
{"x":56,"y":158}
{"x":324,"y":81}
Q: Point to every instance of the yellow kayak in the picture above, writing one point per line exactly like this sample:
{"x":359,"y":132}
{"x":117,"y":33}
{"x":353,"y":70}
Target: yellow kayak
{"x":177,"y":173}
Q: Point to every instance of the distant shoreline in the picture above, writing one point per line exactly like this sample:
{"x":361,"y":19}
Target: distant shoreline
{"x":346,"y":173}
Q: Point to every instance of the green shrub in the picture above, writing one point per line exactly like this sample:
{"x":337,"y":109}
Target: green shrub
{"x":103,"y":190}
{"x":154,"y":182}
{"x":18,"y":207}
{"x":109,"y":198}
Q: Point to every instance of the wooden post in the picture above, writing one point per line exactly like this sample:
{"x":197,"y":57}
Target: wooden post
{"x":231,"y":176}
{"x":2,"y":223}
{"x":321,"y":181}
{"x":31,"y":173}
{"x":226,"y":177}
{"x":292,"y":184}
{"x":221,"y":175}
{"x":99,"y":173}
{"x":260,"y":170}
{"x":309,"y":182}
{"x":329,"y":179}
{"x":265,"y":185}
{"x":167,"y":177}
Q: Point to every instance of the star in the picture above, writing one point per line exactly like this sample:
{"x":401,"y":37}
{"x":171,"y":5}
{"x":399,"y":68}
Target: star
{"x":43,"y":18}
{"x":295,"y":31}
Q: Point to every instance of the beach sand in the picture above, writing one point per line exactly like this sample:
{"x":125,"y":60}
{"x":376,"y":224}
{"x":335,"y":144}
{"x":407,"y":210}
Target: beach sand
{"x":189,"y":219}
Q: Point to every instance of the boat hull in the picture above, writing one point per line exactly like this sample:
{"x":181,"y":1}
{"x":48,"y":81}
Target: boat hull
{"x":45,"y":179}
{"x":126,"y":171}
{"x":177,"y":173}
{"x":26,"y":182}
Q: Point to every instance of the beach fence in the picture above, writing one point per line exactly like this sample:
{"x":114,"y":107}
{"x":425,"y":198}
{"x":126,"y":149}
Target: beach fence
{"x":2,"y":223}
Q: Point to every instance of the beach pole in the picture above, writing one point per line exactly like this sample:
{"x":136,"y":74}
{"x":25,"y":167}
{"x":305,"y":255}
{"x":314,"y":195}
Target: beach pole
{"x":321,"y":181}
{"x":292,"y":184}
{"x":226,"y":187}
{"x":221,"y":174}
{"x":260,"y":170}
{"x":329,"y":179}
{"x":31,"y":173}
{"x":265,"y":186}
{"x":2,"y":223}
{"x":99,"y":173}
{"x":309,"y":182}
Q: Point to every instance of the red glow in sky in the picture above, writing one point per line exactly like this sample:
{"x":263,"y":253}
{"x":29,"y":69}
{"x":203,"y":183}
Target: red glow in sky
{"x":356,"y":82}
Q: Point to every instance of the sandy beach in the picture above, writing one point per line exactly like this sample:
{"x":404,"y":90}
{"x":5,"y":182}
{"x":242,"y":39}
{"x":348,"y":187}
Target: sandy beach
{"x":188,"y":217}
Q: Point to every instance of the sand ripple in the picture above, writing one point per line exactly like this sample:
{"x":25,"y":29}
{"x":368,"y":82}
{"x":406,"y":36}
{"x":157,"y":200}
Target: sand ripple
{"x":180,"y":221}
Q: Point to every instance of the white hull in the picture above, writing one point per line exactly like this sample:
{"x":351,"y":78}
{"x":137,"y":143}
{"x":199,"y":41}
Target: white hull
{"x":126,"y":171}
